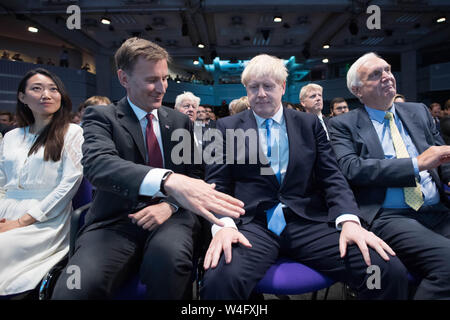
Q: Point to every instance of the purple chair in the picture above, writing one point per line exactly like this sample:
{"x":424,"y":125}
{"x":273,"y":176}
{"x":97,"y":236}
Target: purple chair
{"x":287,"y":277}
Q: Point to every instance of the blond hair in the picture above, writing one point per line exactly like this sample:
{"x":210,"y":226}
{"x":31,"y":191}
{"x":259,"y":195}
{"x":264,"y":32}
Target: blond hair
{"x":307,"y":89}
{"x":264,"y":65}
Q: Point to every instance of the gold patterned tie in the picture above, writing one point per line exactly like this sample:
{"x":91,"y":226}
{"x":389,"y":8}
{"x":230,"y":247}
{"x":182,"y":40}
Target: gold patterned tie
{"x":413,"y":195}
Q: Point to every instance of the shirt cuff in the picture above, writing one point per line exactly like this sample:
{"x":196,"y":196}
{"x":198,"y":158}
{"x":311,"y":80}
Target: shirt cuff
{"x":37,"y":214}
{"x":416,"y":168}
{"x":152,"y":182}
{"x":172,"y":204}
{"x":346,"y":217}
{"x":228,"y":223}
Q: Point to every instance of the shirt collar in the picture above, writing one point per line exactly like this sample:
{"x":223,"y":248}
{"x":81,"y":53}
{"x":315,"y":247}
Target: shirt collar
{"x":277,"y":117}
{"x":378,"y":115}
{"x":140,"y":114}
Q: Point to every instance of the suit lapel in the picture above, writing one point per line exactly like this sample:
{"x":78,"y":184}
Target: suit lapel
{"x":412,"y":125}
{"x":130,"y":122}
{"x":367,"y":132}
{"x":166,"y":128}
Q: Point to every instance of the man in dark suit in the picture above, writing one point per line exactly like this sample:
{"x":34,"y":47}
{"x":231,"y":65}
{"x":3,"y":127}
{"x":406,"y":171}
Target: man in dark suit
{"x":311,"y":99}
{"x":127,"y":156}
{"x":396,"y":162}
{"x":297,"y":201}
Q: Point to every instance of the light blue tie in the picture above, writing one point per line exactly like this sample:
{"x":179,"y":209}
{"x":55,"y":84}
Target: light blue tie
{"x":275,"y":217}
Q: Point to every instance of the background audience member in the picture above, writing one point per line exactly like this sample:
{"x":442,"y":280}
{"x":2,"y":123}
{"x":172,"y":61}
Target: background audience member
{"x":446,"y":110}
{"x":40,"y":172}
{"x":187,"y":103}
{"x":201,"y":115}
{"x":399,"y":98}
{"x":311,"y":99}
{"x":6,"y":118}
{"x":230,"y":106}
{"x":435,"y":109}
{"x":92,"y":101}
{"x":210,"y":117}
{"x":241,"y":104}
{"x":338,"y":106}
{"x":5,"y":55}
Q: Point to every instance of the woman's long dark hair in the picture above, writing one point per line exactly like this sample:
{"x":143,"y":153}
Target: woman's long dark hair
{"x":52,"y":135}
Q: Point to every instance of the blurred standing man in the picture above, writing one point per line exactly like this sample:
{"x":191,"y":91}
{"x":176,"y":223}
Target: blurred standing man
{"x":395,"y":160}
{"x":132,"y":224}
{"x":311,"y":99}
{"x":436,"y":112}
{"x":338,"y":106}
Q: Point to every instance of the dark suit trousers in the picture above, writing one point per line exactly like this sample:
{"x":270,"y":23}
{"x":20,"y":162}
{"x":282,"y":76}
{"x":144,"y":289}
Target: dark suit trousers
{"x":422,"y":242}
{"x":110,"y":255}
{"x":311,"y":243}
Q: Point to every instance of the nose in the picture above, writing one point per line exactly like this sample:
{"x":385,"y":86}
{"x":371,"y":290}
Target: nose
{"x":160,"y":86}
{"x":45,"y":93}
{"x":261,"y":92}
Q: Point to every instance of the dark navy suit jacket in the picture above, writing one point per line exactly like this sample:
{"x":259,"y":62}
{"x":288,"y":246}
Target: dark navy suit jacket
{"x":313,"y":188}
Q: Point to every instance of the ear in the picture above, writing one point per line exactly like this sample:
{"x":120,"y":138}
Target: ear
{"x":301,"y":102}
{"x":284,"y":86}
{"x":356,"y":91}
{"x":123,"y":78}
{"x":21,"y":97}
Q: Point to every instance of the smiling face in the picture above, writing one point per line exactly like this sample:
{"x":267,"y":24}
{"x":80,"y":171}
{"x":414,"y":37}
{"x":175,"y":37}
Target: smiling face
{"x":264,"y":95}
{"x":378,"y":86}
{"x":42,"y":96}
{"x":146,"y":84}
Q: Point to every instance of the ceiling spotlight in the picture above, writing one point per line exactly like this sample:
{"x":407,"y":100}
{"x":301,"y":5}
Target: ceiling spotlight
{"x":195,"y":62}
{"x":325,"y":60}
{"x":277,"y":19}
{"x":326,"y":46}
{"x":201,"y":45}
{"x":105,"y":21}
{"x":33,"y":29}
{"x":440,"y":20}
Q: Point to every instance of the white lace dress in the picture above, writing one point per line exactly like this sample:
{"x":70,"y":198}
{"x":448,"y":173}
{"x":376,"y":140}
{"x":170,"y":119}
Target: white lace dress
{"x":44,"y":190}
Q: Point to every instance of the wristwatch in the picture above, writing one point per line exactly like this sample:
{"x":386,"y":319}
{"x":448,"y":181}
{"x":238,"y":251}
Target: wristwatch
{"x":163,"y":181}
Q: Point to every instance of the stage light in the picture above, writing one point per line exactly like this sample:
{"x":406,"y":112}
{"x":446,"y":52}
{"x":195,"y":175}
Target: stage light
{"x":33,"y":29}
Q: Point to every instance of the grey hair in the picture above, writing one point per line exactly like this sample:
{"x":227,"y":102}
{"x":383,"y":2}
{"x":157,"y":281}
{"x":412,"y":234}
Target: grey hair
{"x":352,"y":74}
{"x":186,"y":95}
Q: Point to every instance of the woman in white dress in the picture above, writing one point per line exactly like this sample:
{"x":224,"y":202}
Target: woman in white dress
{"x":40,"y":172}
